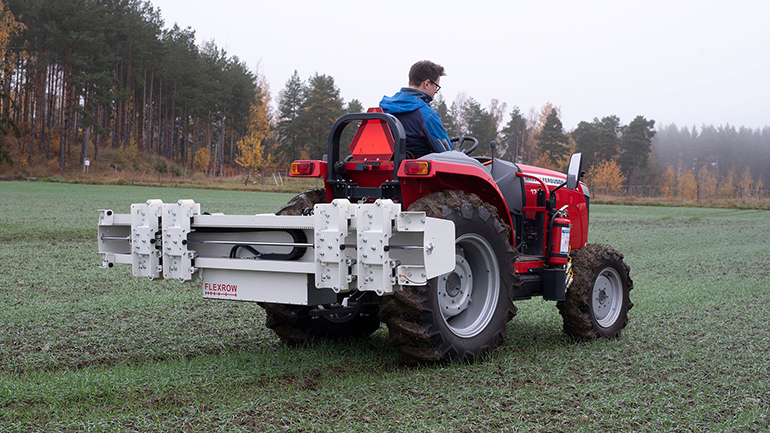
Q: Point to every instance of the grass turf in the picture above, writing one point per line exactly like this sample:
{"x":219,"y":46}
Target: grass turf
{"x":88,"y":349}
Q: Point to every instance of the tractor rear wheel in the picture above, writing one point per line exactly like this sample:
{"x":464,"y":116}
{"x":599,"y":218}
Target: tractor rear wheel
{"x":597,"y":301}
{"x":295,"y":324}
{"x":459,"y":316}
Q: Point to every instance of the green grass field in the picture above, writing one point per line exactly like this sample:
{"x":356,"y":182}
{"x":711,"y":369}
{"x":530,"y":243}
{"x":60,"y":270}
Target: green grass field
{"x":89,"y":349}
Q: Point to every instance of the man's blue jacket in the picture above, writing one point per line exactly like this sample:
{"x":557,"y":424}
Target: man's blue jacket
{"x":424,"y":131}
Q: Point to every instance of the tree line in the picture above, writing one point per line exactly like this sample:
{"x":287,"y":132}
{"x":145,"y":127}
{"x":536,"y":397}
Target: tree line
{"x":79,"y":75}
{"x":82,"y":74}
{"x":723,"y":151}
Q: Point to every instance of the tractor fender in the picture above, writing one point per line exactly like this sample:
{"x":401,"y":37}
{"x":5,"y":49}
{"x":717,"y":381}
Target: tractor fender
{"x":455,"y":171}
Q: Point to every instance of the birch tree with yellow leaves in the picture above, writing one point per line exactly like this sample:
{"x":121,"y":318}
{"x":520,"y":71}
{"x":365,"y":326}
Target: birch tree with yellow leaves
{"x":605,"y":176}
{"x":251,"y":148}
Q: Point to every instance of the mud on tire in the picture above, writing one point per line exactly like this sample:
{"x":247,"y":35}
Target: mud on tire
{"x":459,"y":316}
{"x":597,"y":302}
{"x":294,"y":324}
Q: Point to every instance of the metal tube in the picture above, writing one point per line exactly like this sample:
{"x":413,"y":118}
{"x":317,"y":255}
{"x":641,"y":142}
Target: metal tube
{"x":267,"y":244}
{"x":115,"y":238}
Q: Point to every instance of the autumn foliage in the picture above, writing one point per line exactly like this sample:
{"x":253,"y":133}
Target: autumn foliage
{"x":605,"y":177}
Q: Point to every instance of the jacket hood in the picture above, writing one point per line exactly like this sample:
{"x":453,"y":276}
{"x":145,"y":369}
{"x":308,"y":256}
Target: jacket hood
{"x":404,"y":101}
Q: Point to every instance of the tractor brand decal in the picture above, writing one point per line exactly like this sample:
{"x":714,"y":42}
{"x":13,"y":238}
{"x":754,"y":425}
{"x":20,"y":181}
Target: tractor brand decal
{"x":213,"y":289}
{"x":548,"y":180}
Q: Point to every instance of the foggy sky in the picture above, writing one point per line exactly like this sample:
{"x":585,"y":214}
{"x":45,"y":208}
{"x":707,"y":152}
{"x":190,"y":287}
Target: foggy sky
{"x":685,"y":62}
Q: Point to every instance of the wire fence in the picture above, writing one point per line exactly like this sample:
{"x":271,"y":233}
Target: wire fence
{"x":698,"y":194}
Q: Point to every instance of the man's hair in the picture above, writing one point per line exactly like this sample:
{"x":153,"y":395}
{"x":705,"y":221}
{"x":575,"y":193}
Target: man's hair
{"x":424,"y":70}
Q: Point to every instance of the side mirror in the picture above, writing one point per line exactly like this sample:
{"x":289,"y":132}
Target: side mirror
{"x":575,"y":168}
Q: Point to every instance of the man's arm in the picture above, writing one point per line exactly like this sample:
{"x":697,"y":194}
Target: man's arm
{"x":436,"y":131}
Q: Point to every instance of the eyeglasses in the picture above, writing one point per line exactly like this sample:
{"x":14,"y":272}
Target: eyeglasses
{"x":435,"y":84}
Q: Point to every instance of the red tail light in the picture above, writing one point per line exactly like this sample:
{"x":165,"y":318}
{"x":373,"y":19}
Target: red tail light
{"x":416,"y":168}
{"x":302,"y":168}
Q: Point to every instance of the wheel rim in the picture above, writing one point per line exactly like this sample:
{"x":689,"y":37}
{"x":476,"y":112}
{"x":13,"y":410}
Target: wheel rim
{"x":468,"y":295}
{"x":607,"y":297}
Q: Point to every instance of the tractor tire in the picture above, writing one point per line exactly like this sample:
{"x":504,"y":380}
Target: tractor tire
{"x":459,"y":316}
{"x":294,"y":324}
{"x":597,"y":301}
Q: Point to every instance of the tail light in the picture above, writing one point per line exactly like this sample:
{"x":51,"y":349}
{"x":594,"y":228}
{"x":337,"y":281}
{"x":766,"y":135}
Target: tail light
{"x":302,"y":168}
{"x":416,"y":168}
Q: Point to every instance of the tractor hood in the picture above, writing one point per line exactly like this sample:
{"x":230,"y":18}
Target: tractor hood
{"x":551,"y":178}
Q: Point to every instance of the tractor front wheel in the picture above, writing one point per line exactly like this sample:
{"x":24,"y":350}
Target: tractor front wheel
{"x":597,"y":301}
{"x":461,"y":315}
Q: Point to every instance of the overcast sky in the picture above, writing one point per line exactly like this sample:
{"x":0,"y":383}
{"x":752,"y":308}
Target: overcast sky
{"x":684,"y":62}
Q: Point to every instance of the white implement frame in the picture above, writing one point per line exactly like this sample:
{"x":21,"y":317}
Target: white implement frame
{"x":365,"y":247}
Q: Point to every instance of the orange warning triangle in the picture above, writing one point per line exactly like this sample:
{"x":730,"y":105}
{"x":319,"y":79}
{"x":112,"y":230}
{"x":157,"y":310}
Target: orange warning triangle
{"x":373,"y":140}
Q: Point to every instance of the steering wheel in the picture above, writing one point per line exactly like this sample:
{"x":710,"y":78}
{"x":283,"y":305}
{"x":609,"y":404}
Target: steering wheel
{"x":461,"y":140}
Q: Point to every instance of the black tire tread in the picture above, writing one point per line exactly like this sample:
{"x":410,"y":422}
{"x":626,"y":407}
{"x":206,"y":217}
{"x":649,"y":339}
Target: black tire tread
{"x":575,"y":309}
{"x":293,"y":323}
{"x":408,"y":314}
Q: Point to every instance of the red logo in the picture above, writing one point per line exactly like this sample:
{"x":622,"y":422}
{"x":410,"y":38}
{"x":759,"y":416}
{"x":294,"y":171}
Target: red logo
{"x":214,"y":289}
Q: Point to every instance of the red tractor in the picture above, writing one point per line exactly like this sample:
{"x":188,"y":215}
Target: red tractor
{"x":438,"y":248}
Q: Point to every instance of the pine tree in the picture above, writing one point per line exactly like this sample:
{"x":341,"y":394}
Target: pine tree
{"x":9,"y":27}
{"x":599,"y":140}
{"x":635,"y":147}
{"x":290,"y":103}
{"x":320,"y":110}
{"x":552,"y":141}
{"x":514,"y":136}
{"x":481,"y":125}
